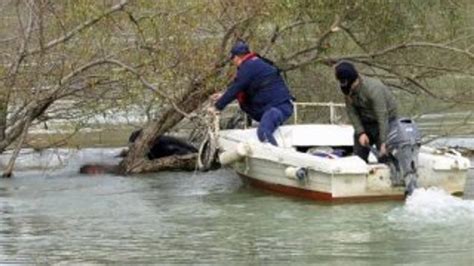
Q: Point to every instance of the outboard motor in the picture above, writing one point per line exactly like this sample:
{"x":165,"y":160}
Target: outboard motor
{"x":403,"y":145}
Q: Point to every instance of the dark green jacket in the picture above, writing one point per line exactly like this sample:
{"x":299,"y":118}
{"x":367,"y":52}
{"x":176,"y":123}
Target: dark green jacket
{"x":372,"y":102}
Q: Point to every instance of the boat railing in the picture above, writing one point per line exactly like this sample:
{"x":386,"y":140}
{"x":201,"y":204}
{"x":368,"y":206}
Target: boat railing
{"x":432,"y":126}
{"x":333,"y":117}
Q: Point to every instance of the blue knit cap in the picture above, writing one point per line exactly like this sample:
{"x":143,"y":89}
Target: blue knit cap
{"x":239,"y":48}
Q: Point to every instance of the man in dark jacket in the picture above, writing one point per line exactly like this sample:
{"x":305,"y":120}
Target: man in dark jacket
{"x":260,"y":91}
{"x":371,"y":107}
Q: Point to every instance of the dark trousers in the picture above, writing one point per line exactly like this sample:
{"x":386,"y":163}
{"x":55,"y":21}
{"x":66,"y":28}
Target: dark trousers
{"x":271,"y":120}
{"x":372,"y":131}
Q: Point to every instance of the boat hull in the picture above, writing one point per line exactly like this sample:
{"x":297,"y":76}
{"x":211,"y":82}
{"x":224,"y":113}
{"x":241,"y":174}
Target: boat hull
{"x":287,"y":170}
{"x":339,"y":188}
{"x":320,"y":186}
{"x":315,"y":195}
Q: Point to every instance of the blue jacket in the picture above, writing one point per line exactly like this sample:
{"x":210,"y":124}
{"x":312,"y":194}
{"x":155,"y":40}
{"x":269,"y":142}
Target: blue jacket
{"x":259,"y":87}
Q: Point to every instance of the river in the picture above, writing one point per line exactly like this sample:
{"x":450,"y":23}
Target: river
{"x":61,"y":217}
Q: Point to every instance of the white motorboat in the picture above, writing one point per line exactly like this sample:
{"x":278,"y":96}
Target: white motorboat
{"x":308,"y":163}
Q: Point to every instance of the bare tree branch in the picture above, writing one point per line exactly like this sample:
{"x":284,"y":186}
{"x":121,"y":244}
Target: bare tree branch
{"x":434,"y":67}
{"x":278,"y":32}
{"x":228,"y":34}
{"x":183,"y":162}
{"x":307,"y":55}
{"x":11,"y":163}
{"x":79,"y":28}
{"x":354,"y":38}
{"x":414,"y":45}
{"x":11,"y":77}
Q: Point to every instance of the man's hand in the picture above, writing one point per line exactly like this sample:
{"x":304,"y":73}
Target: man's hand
{"x":214,"y":97}
{"x":383,"y":149}
{"x":364,"y":140}
{"x":212,"y":110}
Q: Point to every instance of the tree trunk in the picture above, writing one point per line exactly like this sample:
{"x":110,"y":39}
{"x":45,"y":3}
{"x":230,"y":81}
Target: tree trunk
{"x":174,"y":162}
{"x":3,"y":116}
{"x":11,"y":164}
{"x":17,"y":127}
{"x":136,"y":161}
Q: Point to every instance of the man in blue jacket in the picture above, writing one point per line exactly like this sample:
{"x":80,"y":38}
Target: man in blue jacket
{"x":260,"y":91}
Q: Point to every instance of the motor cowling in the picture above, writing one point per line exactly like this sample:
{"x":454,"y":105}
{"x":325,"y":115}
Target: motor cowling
{"x":403,"y":144}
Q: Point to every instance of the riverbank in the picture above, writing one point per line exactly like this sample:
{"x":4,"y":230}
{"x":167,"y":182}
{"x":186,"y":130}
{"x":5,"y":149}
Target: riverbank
{"x":104,"y":137}
{"x":113,"y":128}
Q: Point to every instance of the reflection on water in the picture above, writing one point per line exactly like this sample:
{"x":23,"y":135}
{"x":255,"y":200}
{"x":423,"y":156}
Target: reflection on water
{"x":61,"y":217}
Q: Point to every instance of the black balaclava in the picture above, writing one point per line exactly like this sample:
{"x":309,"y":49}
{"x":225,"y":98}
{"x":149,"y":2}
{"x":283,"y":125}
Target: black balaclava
{"x":346,"y":74}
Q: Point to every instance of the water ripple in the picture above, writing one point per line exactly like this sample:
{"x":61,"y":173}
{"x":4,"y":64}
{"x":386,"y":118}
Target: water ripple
{"x":60,"y":217}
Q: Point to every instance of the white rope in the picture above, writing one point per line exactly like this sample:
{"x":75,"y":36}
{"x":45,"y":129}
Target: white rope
{"x":207,"y":153}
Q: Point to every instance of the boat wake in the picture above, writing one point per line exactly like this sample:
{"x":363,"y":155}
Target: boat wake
{"x":433,"y":206}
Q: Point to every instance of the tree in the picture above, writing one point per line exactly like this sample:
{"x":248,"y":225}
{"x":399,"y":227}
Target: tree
{"x":173,"y":54}
{"x":41,"y":65}
{"x":297,"y":40}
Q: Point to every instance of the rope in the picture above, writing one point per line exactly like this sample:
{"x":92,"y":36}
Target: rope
{"x":207,"y":154}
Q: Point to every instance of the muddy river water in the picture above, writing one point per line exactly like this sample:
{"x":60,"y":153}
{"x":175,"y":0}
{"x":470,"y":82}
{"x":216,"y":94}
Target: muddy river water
{"x":58,"y":216}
